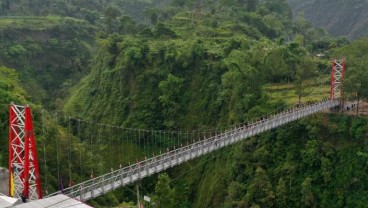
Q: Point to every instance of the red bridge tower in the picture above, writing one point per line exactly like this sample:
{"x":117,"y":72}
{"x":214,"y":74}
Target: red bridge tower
{"x":24,"y":175}
{"x":337,"y":78}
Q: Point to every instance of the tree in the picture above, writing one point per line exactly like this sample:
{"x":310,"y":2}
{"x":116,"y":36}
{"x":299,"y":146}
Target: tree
{"x":127,"y":25}
{"x":306,"y":69}
{"x":171,"y":89}
{"x":240,"y":86}
{"x":275,"y":66}
{"x":111,"y":14}
{"x":90,"y":16}
{"x":182,"y":193}
{"x":164,"y":194}
{"x":260,"y":190}
{"x":307,"y":194}
{"x":178,"y":3}
{"x":310,"y":154}
{"x":326,"y":169}
{"x":301,"y":25}
{"x":251,"y":4}
{"x":356,"y":83}
{"x":281,"y":193}
{"x":161,"y":30}
{"x":17,"y":50}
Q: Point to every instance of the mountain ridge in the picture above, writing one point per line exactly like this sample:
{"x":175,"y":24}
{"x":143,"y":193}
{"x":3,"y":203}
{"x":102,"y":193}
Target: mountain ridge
{"x":351,"y":21}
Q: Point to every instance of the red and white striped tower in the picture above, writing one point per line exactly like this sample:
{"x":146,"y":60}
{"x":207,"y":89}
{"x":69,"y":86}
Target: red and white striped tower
{"x":24,"y":179}
{"x":337,"y":78}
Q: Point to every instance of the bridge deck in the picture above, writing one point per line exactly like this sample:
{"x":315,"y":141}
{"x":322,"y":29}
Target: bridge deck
{"x":128,"y":175}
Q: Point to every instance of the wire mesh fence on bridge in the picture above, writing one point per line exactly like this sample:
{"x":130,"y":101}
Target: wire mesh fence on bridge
{"x":100,"y":185}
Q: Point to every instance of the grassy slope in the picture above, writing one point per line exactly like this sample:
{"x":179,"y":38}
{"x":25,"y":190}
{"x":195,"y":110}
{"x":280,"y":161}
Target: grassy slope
{"x":33,"y":22}
{"x":286,"y":92}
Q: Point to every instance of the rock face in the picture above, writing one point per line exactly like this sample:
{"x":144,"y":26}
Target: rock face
{"x":338,"y":17}
{"x":4,"y":181}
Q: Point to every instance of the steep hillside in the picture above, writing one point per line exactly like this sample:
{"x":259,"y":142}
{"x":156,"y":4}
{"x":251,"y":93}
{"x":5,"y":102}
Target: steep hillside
{"x":304,"y":164}
{"x":207,"y":68}
{"x":49,"y":52}
{"x":89,"y":10}
{"x":196,"y":70}
{"x":10,"y":91}
{"x":50,"y":135}
{"x":340,"y":17}
{"x":198,"y":65}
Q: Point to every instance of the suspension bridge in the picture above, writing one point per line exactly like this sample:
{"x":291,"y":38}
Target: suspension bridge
{"x":25,"y":181}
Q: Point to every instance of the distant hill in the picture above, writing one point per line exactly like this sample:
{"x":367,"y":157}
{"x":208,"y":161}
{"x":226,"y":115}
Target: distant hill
{"x":339,"y":17}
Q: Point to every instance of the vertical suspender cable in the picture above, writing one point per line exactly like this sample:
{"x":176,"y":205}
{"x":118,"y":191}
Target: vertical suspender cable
{"x":44,"y":150}
{"x":69,"y":153}
{"x":80,"y":152}
{"x":173,"y":139}
{"x":151,"y":141}
{"x":57,"y":155}
{"x":91,"y":147}
{"x":139,"y":142}
{"x":178,"y":142}
{"x":123,"y":142}
{"x":136,"y":143}
{"x":99,"y":143}
{"x":187,"y":138}
{"x":110,"y":141}
{"x":155,"y":142}
{"x":181,"y":139}
{"x":132,"y":144}
{"x":157,"y":145}
{"x":144,"y":143}
{"x":194,"y":136}
{"x":146,"y":136}
{"x":165,"y":144}
{"x":159,"y":142}
{"x":120,"y":135}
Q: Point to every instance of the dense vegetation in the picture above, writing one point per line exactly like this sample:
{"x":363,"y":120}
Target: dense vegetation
{"x":311,"y":163}
{"x":10,"y":91}
{"x":28,"y":45}
{"x":184,"y":65}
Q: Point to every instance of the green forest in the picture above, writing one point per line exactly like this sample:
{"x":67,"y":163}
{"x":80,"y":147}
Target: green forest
{"x":179,"y":66}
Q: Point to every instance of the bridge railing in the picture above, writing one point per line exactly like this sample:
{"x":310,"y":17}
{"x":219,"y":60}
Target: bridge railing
{"x":100,"y":185}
